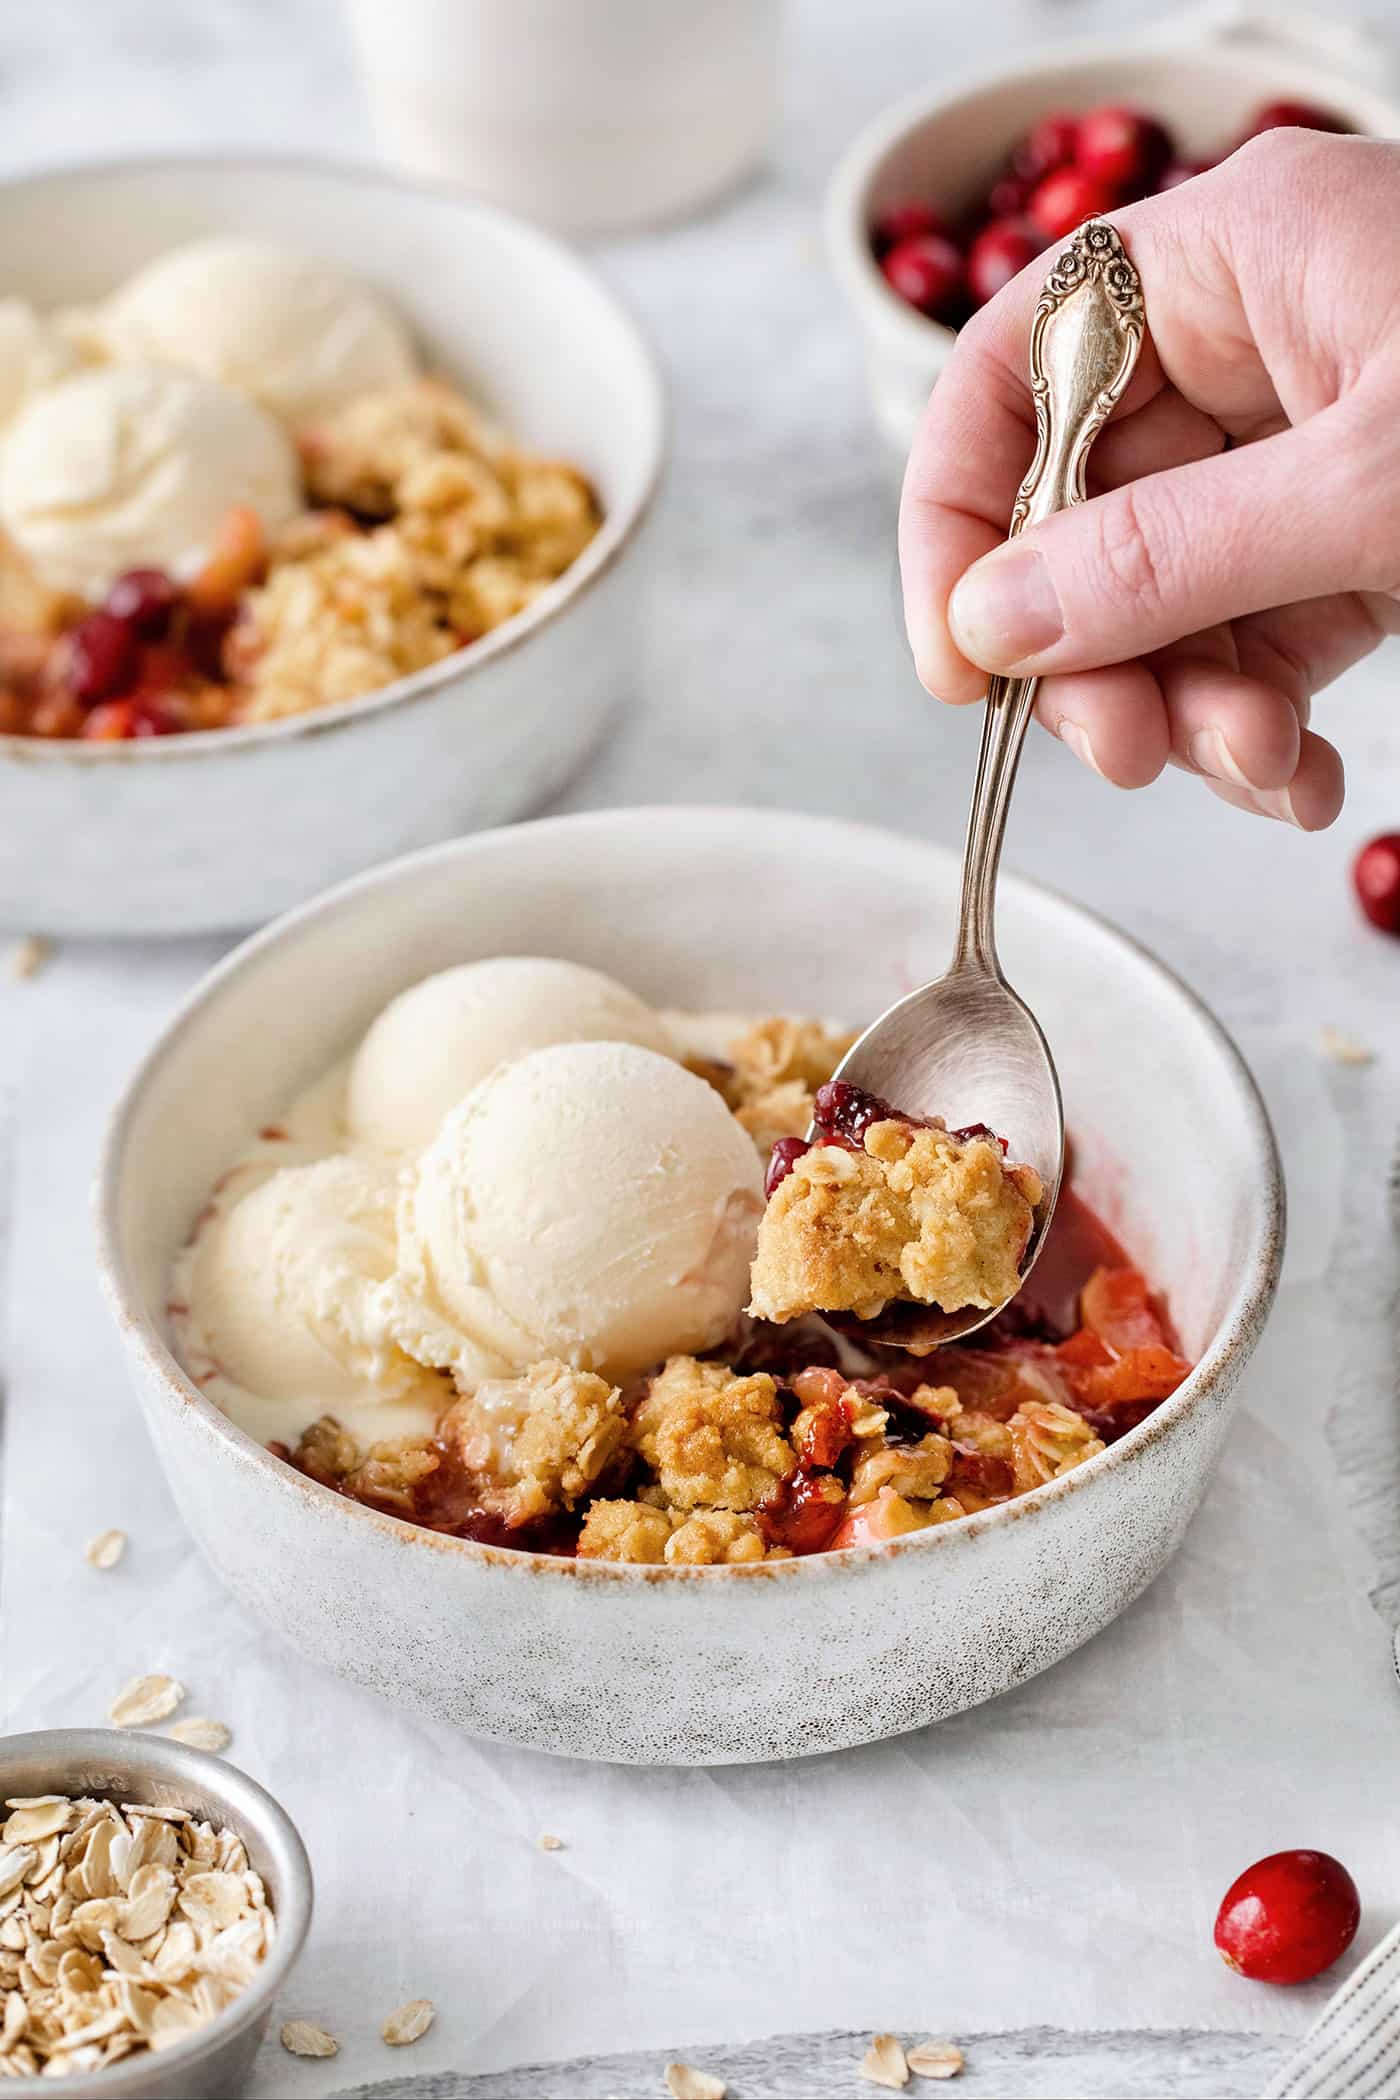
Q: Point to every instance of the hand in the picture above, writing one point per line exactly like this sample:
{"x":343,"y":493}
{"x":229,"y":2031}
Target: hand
{"x":1188,"y":612}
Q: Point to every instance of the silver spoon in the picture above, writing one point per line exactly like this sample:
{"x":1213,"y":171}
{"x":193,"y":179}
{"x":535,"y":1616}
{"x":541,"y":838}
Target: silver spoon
{"x":966,"y":1047}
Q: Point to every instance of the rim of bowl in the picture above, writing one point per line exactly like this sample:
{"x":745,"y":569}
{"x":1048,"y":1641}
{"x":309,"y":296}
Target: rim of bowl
{"x":1235,"y":1334}
{"x":614,"y":536}
{"x":250,"y":1802}
{"x":846,"y":214}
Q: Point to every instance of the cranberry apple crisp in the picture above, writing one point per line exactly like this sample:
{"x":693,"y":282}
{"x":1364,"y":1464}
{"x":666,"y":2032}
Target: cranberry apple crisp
{"x":491,"y":1277}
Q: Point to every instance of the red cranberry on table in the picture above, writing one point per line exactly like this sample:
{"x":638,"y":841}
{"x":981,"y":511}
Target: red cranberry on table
{"x":1274,"y":116}
{"x":1122,"y":147}
{"x":145,"y":599}
{"x":1288,"y":1917}
{"x":101,"y":656}
{"x":1050,"y":144}
{"x":904,"y":222}
{"x":999,"y":253}
{"x":1375,"y":875}
{"x":1068,"y":197}
{"x":927,"y":270}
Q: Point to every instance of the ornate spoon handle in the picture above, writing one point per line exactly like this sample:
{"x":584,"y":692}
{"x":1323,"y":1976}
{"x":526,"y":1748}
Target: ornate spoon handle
{"x":1085,"y":339}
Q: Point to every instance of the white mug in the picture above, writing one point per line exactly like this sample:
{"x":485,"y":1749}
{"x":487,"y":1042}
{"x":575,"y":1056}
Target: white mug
{"x":590,"y":115}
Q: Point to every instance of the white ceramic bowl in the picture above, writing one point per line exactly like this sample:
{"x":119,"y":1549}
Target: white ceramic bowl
{"x":1203,"y":72}
{"x":190,"y":833}
{"x":768,"y":912}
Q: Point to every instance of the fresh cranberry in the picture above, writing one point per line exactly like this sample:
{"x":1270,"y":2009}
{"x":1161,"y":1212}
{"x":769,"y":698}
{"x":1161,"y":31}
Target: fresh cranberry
{"x":1123,"y":148}
{"x":1288,"y":1917}
{"x":783,"y":1158}
{"x":1375,"y":874}
{"x":1178,"y":171}
{"x":927,"y":271}
{"x":145,"y":599}
{"x":1008,"y":196}
{"x":1276,"y":116}
{"x":110,"y":722}
{"x":848,"y":1111}
{"x":1068,"y":197}
{"x":999,"y":253}
{"x":905,"y":222}
{"x":101,"y":657}
{"x":1050,"y":144}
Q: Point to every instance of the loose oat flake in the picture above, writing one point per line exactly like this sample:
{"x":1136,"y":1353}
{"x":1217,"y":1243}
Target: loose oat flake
{"x":1344,"y":1049}
{"x":28,"y":956}
{"x":201,"y":1734}
{"x":548,"y":1842}
{"x":106,"y":1549}
{"x":935,"y":2060}
{"x":410,"y":2023}
{"x":885,"y":2063}
{"x":304,"y":2038}
{"x":95,"y":1963}
{"x":144,"y":1701}
{"x":684,"y":2082}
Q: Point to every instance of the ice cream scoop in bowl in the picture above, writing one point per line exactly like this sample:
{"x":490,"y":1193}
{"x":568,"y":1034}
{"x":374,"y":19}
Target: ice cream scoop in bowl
{"x":967,"y":1047}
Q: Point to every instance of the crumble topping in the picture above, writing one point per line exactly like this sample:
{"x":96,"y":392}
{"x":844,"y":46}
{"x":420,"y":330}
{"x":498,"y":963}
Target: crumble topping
{"x":712,"y":1438}
{"x":777,"y":1067}
{"x":546,"y":1437}
{"x":701,"y":1538}
{"x":916,"y":1212}
{"x":1046,"y":1440}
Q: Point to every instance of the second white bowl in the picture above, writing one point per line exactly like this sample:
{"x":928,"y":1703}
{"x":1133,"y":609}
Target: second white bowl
{"x":765,"y":912}
{"x":190,"y":833}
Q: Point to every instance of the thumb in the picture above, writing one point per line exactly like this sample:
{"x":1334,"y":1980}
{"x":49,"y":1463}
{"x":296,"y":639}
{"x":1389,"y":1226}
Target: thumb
{"x":1300,"y":515}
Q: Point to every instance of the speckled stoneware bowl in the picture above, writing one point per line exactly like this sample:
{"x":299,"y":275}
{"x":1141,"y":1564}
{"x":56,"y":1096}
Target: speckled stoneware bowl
{"x":733,"y":908}
{"x":185,"y":834}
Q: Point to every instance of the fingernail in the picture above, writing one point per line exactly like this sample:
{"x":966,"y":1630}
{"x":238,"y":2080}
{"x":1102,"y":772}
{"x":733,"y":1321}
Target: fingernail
{"x":1005,"y":609}
{"x":1070,"y":733}
{"x":1210,"y":753}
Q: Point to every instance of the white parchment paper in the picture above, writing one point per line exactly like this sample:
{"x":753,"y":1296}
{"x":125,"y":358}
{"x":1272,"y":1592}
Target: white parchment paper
{"x":1054,"y":1857}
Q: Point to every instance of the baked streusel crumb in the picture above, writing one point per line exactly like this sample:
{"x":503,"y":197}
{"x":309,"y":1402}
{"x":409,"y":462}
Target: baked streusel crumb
{"x":544,"y":1438}
{"x":702,"y":1538}
{"x":712,"y":1439}
{"x":915,"y":1212}
{"x":777,"y":1067}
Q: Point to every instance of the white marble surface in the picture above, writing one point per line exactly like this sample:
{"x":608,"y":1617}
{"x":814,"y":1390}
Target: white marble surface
{"x":776,"y":673}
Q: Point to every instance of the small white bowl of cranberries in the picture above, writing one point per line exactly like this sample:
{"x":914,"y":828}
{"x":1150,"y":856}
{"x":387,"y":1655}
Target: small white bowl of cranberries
{"x":942,"y":201}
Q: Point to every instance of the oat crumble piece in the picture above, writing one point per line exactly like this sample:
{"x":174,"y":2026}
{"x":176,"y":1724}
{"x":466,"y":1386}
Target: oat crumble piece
{"x":1046,"y":1441}
{"x":916,"y":1213}
{"x":915,"y":1471}
{"x":630,"y":1531}
{"x":713,"y":1439}
{"x":544,"y":1439}
{"x":776,"y":1068}
{"x":709,"y":1538}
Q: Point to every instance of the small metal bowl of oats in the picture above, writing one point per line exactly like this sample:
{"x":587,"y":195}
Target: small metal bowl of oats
{"x":153,"y":1902}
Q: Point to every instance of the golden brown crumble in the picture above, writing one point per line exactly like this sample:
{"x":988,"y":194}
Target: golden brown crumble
{"x":390,"y":1471}
{"x":776,"y":1068}
{"x":704,"y":1538}
{"x":1047,"y":1440}
{"x":473,"y":530}
{"x":711,"y":1438}
{"x":917,"y":1214}
{"x":545,"y":1437}
{"x":915,"y":1471}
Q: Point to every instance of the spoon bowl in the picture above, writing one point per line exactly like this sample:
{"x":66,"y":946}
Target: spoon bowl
{"x":966,"y":1048}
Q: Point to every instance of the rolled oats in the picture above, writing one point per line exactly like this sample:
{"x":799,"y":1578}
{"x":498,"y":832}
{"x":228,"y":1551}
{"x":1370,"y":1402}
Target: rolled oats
{"x":304,"y":2038}
{"x":685,"y":2082}
{"x":202,"y":1734}
{"x":144,"y":1701}
{"x":409,"y":2023}
{"x":91,"y":1967}
{"x":28,"y":956}
{"x":1344,"y":1049}
{"x":105,"y":1550}
{"x":935,"y":2060}
{"x":548,"y":1842}
{"x":884,"y":2063}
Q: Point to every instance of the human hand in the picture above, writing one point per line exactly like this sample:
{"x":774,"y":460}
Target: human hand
{"x":1188,"y":612}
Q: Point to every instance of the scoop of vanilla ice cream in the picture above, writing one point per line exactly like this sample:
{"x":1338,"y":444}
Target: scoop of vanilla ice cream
{"x":33,"y":355}
{"x":126,"y":466}
{"x":590,"y":1201}
{"x":436,"y":1041}
{"x":278,"y":325}
{"x":286,"y":1300}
